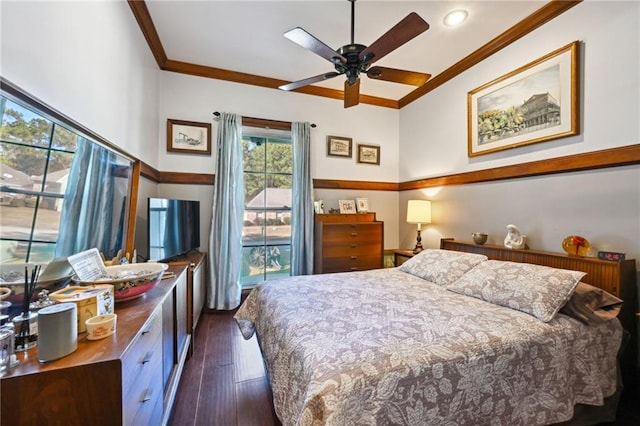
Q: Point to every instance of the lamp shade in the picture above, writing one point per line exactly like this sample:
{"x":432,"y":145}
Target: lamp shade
{"x":419,"y":211}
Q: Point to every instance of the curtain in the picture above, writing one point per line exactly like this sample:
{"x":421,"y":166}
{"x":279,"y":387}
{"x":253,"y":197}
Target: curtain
{"x":225,"y":239}
{"x":302,"y":209}
{"x":88,"y":202}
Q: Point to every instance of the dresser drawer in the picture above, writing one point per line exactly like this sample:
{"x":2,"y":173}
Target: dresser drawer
{"x":352,"y":248}
{"x":140,"y":364}
{"x":351,"y":232}
{"x":359,"y":263}
{"x":150,"y":403}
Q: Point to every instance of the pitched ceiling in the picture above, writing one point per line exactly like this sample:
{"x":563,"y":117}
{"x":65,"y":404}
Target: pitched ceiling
{"x":243,"y":41}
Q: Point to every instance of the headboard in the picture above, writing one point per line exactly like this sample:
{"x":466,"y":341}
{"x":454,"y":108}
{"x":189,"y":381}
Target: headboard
{"x":618,"y":278}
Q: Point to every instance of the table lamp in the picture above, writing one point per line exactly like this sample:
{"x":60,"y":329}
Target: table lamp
{"x":418,"y":212}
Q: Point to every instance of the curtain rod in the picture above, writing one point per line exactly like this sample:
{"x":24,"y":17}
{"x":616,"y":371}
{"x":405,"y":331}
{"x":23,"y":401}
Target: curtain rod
{"x":217,"y":114}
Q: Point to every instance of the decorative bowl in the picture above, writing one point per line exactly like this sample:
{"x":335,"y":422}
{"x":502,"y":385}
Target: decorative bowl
{"x":53,"y":276}
{"x":129,"y":281}
{"x":575,"y":245}
{"x":479,"y":237}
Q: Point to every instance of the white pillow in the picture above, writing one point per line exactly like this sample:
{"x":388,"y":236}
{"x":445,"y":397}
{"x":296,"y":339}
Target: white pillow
{"x":537,"y":290}
{"x":441,"y":266}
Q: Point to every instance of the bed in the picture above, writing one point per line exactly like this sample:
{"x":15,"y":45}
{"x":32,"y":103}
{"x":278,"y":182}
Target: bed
{"x":425,"y":344}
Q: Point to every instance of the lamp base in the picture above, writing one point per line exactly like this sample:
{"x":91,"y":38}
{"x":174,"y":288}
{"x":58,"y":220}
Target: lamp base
{"x":418,"y":248}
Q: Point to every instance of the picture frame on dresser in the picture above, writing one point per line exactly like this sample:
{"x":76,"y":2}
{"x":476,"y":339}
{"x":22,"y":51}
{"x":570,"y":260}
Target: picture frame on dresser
{"x":347,"y":206}
{"x":362,"y":205}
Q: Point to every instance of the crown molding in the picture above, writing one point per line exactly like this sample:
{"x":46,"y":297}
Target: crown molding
{"x":546,"y":13}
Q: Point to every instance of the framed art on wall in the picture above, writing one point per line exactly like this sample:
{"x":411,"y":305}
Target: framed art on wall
{"x":188,"y":137}
{"x":535,"y":103}
{"x":368,"y":154}
{"x":338,"y":146}
{"x":347,"y":206}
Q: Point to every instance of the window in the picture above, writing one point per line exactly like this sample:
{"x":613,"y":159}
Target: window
{"x":266,"y":234}
{"x":35,"y":157}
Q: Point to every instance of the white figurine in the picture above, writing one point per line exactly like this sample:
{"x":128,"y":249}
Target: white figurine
{"x":514,"y":238}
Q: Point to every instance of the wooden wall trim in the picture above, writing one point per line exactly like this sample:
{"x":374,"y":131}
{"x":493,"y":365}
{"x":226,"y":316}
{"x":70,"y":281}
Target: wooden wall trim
{"x":613,"y":157}
{"x":546,"y":13}
{"x":141,"y":13}
{"x":543,"y":15}
{"x":354,"y":184}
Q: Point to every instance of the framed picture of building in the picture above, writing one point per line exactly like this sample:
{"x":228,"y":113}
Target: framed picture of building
{"x":535,"y":103}
{"x":338,"y":146}
{"x":188,"y":137}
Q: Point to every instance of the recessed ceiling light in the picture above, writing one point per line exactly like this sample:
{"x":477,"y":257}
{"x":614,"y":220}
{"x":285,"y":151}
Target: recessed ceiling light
{"x":455,"y":17}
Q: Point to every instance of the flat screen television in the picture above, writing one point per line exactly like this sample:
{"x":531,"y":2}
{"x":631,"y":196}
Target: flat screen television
{"x":174,"y":227}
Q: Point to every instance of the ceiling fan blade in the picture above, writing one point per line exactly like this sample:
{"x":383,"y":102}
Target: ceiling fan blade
{"x":351,"y":93}
{"x":398,"y":76}
{"x":308,"y":81}
{"x":306,"y":40}
{"x":411,"y":26}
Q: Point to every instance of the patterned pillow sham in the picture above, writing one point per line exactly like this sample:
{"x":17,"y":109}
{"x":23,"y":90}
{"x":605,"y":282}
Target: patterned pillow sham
{"x":441,"y":266}
{"x":592,"y":305}
{"x":536,"y":290}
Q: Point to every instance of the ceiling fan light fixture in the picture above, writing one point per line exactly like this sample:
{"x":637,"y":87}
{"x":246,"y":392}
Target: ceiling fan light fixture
{"x":455,"y":17}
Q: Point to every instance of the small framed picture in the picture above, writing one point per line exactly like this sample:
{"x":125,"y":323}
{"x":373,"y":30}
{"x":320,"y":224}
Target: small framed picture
{"x":188,"y":137}
{"x":347,"y":206}
{"x":368,"y":154}
{"x":318,"y":207}
{"x":338,"y":146}
{"x":362,"y":205}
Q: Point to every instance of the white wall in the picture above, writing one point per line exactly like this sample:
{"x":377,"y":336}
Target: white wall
{"x":602,"y":205}
{"x":191,"y":98}
{"x":88,"y":60}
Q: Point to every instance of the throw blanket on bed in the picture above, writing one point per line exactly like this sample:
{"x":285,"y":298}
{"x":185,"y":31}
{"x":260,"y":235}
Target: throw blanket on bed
{"x":384,"y":347}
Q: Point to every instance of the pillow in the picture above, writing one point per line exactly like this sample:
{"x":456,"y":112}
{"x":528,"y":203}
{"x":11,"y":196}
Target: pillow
{"x":592,"y":305}
{"x":537,"y":290}
{"x":441,"y":266}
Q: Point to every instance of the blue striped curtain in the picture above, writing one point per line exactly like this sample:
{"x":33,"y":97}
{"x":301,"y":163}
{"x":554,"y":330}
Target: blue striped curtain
{"x":225,"y":239}
{"x":88,"y":203}
{"x":302,"y":209}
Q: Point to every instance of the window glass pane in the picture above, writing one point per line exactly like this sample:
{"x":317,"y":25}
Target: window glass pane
{"x":18,"y":164}
{"x":279,"y":156}
{"x":16,"y":217}
{"x":253,"y":261}
{"x":278,"y":227}
{"x":64,"y":139}
{"x":254,"y":194}
{"x":42,"y":252}
{"x":278,"y":262}
{"x":253,"y":232}
{"x":253,"y":153}
{"x":21,"y":125}
{"x":57,"y":173}
{"x":47,"y":219}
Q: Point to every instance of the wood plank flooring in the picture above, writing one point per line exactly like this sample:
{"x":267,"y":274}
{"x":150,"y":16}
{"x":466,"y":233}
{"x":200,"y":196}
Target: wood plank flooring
{"x":225,"y":384}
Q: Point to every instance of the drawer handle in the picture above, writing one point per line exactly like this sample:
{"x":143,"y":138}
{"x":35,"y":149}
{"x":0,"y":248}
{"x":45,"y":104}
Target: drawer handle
{"x":147,"y":358}
{"x":354,"y":268}
{"x":354,"y":234}
{"x":354,"y":245}
{"x":147,"y":396}
{"x":147,"y":329}
{"x":354,"y":257}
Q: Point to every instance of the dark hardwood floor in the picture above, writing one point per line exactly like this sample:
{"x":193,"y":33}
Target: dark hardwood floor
{"x":225,"y":384}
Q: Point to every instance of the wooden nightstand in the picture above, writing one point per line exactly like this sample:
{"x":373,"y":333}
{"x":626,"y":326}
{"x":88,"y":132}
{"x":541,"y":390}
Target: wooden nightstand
{"x":401,"y":256}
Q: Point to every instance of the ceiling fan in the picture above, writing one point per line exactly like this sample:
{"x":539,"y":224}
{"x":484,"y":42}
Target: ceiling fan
{"x":354,"y":59}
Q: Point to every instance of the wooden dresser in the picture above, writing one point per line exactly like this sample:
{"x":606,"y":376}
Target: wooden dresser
{"x":348,"y":242}
{"x":128,"y":378}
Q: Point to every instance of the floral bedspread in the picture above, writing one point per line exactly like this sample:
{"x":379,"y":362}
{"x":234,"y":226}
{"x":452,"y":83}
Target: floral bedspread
{"x":384,"y":347}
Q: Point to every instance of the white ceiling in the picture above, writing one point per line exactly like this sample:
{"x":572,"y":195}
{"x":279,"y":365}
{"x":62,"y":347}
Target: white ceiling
{"x":247,"y":36}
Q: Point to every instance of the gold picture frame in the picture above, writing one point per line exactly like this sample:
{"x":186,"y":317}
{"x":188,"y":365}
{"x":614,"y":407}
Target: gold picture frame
{"x":368,"y":154}
{"x":535,"y":103}
{"x":188,"y":137}
{"x":338,"y":146}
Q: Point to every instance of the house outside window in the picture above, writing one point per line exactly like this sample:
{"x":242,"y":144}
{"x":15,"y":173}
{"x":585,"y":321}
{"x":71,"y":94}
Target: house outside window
{"x":35,"y":157}
{"x":266,"y":236}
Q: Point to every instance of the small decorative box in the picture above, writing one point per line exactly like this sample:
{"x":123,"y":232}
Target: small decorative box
{"x":91,"y":300}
